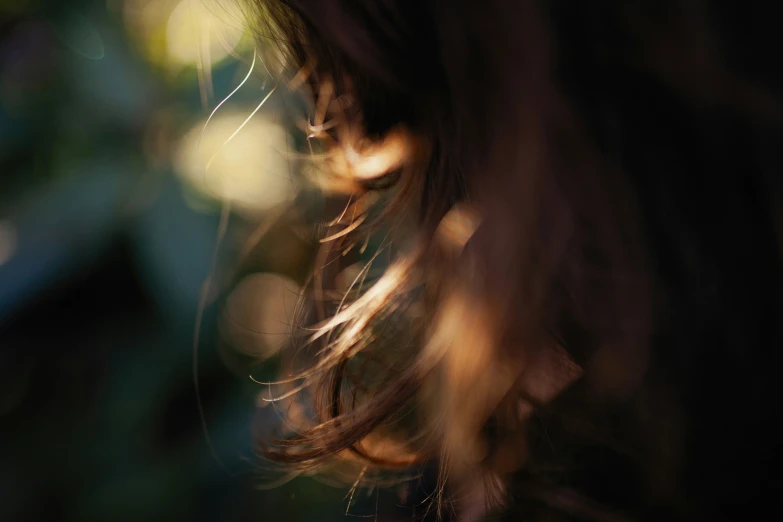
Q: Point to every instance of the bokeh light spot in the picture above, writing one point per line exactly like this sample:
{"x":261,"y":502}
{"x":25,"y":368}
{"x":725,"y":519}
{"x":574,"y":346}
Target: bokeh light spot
{"x":203,"y":32}
{"x":250,"y":171}
{"x":260,"y":314}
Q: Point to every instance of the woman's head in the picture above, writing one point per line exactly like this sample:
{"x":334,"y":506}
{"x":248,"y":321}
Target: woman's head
{"x":582,"y":305}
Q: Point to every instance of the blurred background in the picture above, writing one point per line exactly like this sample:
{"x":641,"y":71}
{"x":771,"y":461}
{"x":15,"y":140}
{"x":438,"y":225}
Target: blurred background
{"x":112,"y":232}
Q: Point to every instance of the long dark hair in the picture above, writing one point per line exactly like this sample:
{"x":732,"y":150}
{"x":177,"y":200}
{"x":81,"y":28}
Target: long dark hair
{"x":584,"y":313}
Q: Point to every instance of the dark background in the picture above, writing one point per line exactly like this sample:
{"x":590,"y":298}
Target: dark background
{"x":103,"y":254}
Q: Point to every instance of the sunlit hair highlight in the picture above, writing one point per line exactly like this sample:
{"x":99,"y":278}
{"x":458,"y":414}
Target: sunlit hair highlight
{"x":531,"y":306}
{"x":415,"y":364}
